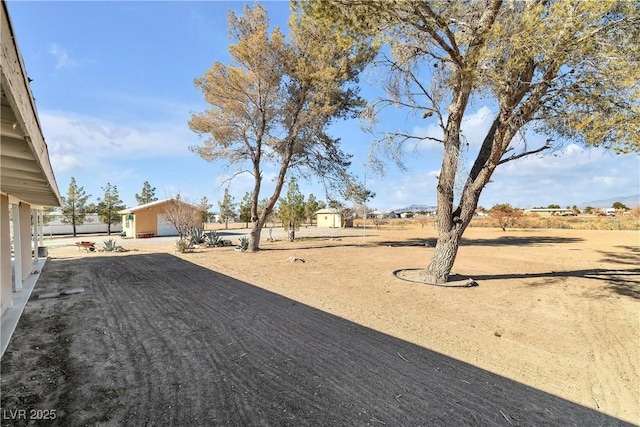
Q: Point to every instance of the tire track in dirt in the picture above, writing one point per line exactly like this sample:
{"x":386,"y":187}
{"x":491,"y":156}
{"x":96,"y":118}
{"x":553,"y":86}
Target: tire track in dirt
{"x":606,"y":390}
{"x":166,"y":342}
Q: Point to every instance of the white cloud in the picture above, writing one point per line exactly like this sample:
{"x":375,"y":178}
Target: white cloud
{"x":76,"y":141}
{"x":398,"y":191}
{"x":571,"y":176}
{"x":476,"y":125}
{"x":474,"y":128}
{"x":62,"y":57}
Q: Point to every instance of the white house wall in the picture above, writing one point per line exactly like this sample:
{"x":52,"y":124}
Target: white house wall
{"x":5,"y":255}
{"x":25,"y":237}
{"x":95,"y":226}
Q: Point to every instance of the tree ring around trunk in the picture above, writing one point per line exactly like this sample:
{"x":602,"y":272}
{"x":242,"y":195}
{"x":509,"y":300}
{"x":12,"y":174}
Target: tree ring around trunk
{"x":418,"y":275}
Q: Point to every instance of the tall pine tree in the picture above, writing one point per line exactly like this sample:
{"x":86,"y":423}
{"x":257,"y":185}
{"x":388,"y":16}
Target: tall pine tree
{"x":227,"y":207}
{"x":109,"y":206}
{"x":74,"y":206}
{"x":291,"y":209}
{"x":147,"y":195}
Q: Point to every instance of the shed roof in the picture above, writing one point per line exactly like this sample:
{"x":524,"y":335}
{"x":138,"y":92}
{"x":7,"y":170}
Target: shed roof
{"x":327,"y":211}
{"x":151,"y":205}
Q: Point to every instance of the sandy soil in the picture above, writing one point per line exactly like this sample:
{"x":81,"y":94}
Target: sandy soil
{"x":555,"y":310}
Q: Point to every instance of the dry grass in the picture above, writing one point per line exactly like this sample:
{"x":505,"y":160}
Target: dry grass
{"x":580,"y":222}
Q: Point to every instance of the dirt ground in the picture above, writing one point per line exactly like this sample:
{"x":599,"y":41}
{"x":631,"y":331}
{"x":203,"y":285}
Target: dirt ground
{"x":320,"y":332}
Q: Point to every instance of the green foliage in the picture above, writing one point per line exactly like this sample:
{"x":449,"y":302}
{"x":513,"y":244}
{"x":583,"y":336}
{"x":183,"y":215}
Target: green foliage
{"x":109,"y":206}
{"x":47,"y":215}
{"x":74,"y":206}
{"x":620,"y":206}
{"x":245,"y":208}
{"x":147,"y":195}
{"x":292,"y":209}
{"x":311,"y":207}
{"x":227,"y":207}
{"x":205,"y":208}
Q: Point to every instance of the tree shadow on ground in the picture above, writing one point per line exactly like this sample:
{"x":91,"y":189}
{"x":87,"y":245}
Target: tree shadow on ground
{"x":157,"y":338}
{"x":338,"y":237}
{"x":629,"y":255}
{"x":498,"y":241}
{"x":317,"y":243}
{"x":428,"y":242}
{"x":521,"y":241}
{"x":623,"y":282}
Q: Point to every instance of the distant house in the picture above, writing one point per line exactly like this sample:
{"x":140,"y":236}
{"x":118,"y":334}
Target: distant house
{"x":550,"y":211}
{"x":146,"y":220}
{"x":331,"y":218}
{"x":380,"y":214}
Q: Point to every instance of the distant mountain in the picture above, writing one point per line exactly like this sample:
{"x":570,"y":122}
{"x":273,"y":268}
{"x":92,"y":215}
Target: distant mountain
{"x":416,"y":208}
{"x":629,"y":201}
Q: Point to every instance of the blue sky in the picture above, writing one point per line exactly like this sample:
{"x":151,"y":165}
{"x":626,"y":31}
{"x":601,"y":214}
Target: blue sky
{"x":113,"y":82}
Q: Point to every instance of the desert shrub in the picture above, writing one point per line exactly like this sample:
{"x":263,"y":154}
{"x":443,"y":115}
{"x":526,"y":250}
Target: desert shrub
{"x":505,"y":215}
{"x":379,"y":221}
{"x":423,"y":220}
{"x":184,"y":245}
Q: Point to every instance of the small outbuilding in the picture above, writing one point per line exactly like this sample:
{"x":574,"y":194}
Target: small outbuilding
{"x":331,"y":218}
{"x":147,"y":221}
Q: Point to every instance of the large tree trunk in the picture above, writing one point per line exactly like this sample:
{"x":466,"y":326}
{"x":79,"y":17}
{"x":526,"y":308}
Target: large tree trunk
{"x":254,"y":235}
{"x":444,"y":256}
{"x":292,"y":232}
{"x":261,"y":220}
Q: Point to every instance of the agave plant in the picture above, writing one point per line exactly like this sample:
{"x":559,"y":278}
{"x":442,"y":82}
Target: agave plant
{"x":212,"y":238}
{"x":197,"y":235}
{"x":110,"y":245}
{"x":244,"y":243}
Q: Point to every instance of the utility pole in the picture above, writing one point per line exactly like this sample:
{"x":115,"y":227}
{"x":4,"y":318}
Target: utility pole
{"x":364,"y":205}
